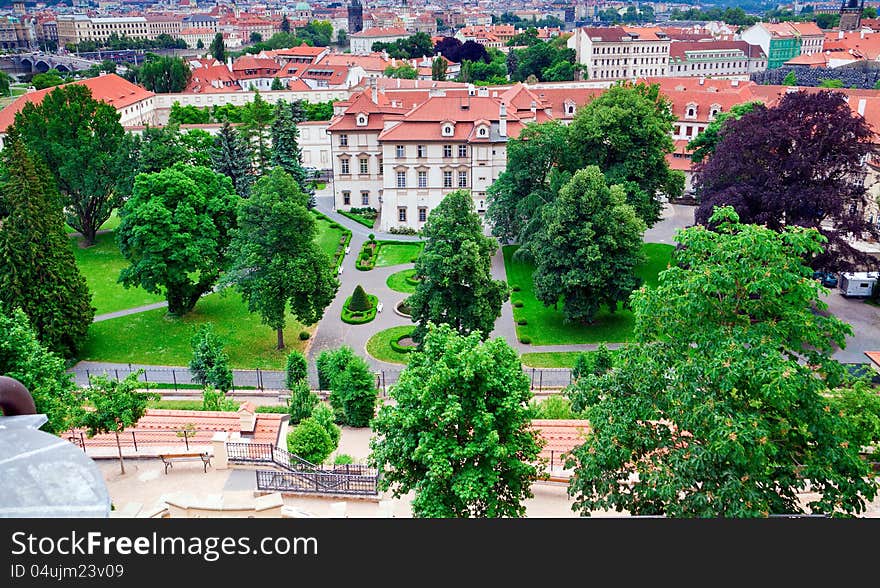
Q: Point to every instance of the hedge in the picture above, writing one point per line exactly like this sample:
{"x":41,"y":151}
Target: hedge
{"x":358,"y":218}
{"x":395,"y":344}
{"x":359,"y":318}
{"x":367,"y":256}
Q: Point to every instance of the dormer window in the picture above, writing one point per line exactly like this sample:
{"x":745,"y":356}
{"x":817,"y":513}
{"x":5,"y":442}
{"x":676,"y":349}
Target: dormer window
{"x":362,"y":120}
{"x":714,"y":110}
{"x":447,"y":130}
{"x":482,"y":132}
{"x":691,"y":111}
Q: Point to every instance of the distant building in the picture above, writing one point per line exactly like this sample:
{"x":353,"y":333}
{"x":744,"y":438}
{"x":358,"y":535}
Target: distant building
{"x":355,"y":17}
{"x":362,"y":42}
{"x":785,"y":40}
{"x":613,"y":53}
{"x":851,"y":15}
{"x":715,"y":58}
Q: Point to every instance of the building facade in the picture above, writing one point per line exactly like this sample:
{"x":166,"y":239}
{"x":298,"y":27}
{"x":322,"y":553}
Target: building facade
{"x":613,"y":53}
{"x":362,"y":42}
{"x":715,"y":59}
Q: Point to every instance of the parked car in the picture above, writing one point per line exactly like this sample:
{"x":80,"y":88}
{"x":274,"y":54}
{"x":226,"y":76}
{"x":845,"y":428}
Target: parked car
{"x":828,"y":279}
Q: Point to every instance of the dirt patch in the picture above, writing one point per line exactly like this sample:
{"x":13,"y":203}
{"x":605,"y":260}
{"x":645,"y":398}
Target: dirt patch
{"x":406,"y":342}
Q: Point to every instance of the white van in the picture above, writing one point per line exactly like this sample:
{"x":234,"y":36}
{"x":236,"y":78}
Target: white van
{"x":857,"y":283}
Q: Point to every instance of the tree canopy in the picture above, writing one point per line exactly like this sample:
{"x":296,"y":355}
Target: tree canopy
{"x":797,"y":164}
{"x":587,"y":247}
{"x":417,"y":45}
{"x":459,"y":432}
{"x":85,"y":149}
{"x":174,"y":231}
{"x":456,"y":285}
{"x":231,"y":156}
{"x":161,"y":74}
{"x":38,"y":273}
{"x":720,"y":408}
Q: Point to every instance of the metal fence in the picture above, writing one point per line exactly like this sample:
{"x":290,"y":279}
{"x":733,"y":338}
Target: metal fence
{"x":299,"y":475}
{"x":243,"y":380}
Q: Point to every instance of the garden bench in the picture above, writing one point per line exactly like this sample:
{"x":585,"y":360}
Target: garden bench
{"x":169,"y":458}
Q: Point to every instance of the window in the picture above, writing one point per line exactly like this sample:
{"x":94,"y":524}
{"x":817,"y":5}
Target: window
{"x":423,"y":179}
{"x":344,"y":166}
{"x":482,"y":132}
{"x":401,"y":214}
{"x":380,"y":166}
{"x":423,"y":214}
{"x":422,"y":151}
{"x":343,"y":140}
{"x":462,"y":150}
{"x":365,"y":165}
{"x":365,"y":198}
{"x":448,"y":130}
{"x":462,"y":179}
{"x":447,"y":151}
{"x":361,"y":120}
{"x":401,"y":179}
{"x":400,"y":151}
{"x":447,"y":179}
{"x":346,"y":198}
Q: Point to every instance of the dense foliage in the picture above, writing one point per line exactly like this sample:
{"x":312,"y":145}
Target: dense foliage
{"x":210,"y":362}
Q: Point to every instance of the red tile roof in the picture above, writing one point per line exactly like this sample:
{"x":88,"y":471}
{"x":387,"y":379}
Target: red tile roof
{"x":874,"y":356}
{"x":382,"y":32}
{"x":560,"y":436}
{"x":112,"y":89}
{"x":246,"y":62}
{"x":678,"y":49}
{"x":161,"y":427}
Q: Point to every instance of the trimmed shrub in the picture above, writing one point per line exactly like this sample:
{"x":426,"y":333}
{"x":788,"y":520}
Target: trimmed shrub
{"x":304,"y":335}
{"x":372,"y":237}
{"x":310,"y":441}
{"x":323,"y":414}
{"x":302,"y":401}
{"x":396,"y":346}
{"x":343,"y":459}
{"x":515,"y":288}
{"x":518,"y":303}
{"x":210,"y":363}
{"x":297,"y":369}
{"x":359,"y":317}
{"x":354,"y":389}
{"x":273,"y":409}
{"x":522,"y":322}
{"x":216,"y":400}
{"x":525,"y":340}
{"x":358,"y":300}
{"x":553,"y":407}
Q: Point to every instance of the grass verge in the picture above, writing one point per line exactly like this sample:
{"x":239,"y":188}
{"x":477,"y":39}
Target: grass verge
{"x":379,"y":345}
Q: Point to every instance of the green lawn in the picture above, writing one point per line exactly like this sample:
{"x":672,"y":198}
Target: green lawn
{"x":328,"y":238}
{"x":155,"y":339}
{"x":398,"y":283}
{"x":397,"y":252}
{"x":379,"y":345}
{"x":545,"y":324}
{"x":358,"y":218}
{"x":558,"y":359}
{"x":101,"y":265}
{"x":109,"y":225}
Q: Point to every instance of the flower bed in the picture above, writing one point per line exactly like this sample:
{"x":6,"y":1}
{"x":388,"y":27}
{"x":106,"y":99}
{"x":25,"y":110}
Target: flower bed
{"x":359,"y":317}
{"x":367,"y":257}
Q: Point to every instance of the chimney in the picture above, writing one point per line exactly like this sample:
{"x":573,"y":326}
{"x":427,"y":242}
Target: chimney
{"x":534,"y":107}
{"x":702,"y":81}
{"x":862,"y":34}
{"x":471,"y":90}
{"x":502,"y":120}
{"x":229,"y":63}
{"x":839,"y":35}
{"x":247,"y":420}
{"x":862,"y":104}
{"x":483,"y":92}
{"x":374,"y":92}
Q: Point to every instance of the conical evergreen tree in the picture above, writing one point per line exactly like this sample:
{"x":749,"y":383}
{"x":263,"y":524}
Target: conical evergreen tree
{"x":38,"y":272}
{"x":285,"y":143}
{"x":232,"y":157}
{"x":359,"y":300}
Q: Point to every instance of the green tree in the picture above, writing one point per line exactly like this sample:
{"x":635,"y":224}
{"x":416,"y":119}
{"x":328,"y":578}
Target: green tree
{"x":188,"y":115}
{"x":703,"y":145}
{"x":720,"y":408}
{"x":38,"y":272}
{"x":232,"y":156}
{"x":174,"y":231}
{"x":286,"y":153}
{"x":257,"y":116}
{"x":310,"y":441}
{"x":42,"y":372}
{"x":359,"y":300}
{"x":200,"y":44}
{"x":342,"y":38}
{"x":277,"y":84}
{"x":459,"y":432}
{"x":353,"y":388}
{"x":216,"y":400}
{"x":587,"y":250}
{"x":49,"y":79}
{"x":210,"y":362}
{"x":256,"y":37}
{"x":328,"y":364}
{"x":159,"y":148}
{"x":438,"y":69}
{"x":831,"y":83}
{"x":115,"y":405}
{"x":164,"y":74}
{"x":323,"y":415}
{"x":456,"y":286}
{"x":869,"y":12}
{"x":302,"y":401}
{"x":530,"y":181}
{"x":218,"y":48}
{"x":297,"y":368}
{"x":404,"y":71}
{"x":84,"y":148}
{"x":5,"y":80}
{"x":790,"y":79}
{"x":627,"y":132}
{"x":285,"y":24}
{"x":276,"y":263}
